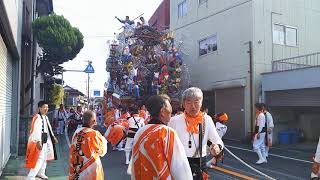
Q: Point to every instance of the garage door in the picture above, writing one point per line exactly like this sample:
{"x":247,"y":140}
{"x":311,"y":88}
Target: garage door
{"x":231,"y":101}
{"x":298,"y":97}
{"x":5,"y":102}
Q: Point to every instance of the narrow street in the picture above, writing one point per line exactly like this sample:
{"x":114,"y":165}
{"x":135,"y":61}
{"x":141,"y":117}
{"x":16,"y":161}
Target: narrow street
{"x":277,"y":167}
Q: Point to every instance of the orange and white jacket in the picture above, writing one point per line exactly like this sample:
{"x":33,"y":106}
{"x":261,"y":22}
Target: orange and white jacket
{"x":158,"y":154}
{"x":85,"y":161}
{"x":32,"y":154}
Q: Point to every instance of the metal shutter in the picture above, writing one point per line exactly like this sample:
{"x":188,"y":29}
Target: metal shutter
{"x":5,"y":103}
{"x":298,"y":97}
{"x":231,"y":101}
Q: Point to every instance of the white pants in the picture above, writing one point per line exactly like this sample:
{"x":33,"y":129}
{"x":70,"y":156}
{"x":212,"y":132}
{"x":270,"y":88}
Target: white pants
{"x":259,"y":144}
{"x":128,"y":149}
{"x":60,"y":127}
{"x":269,"y":139}
{"x":41,"y":165}
{"x":129,"y":145}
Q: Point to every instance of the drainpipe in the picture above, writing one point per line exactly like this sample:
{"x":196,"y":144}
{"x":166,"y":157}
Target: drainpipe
{"x":251,"y":86}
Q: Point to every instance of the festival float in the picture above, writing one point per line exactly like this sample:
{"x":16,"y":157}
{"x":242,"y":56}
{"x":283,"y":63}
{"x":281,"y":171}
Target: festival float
{"x":144,"y":62}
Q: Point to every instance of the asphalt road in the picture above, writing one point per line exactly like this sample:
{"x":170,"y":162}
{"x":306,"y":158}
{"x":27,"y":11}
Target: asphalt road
{"x":277,"y":167}
{"x":283,"y":163}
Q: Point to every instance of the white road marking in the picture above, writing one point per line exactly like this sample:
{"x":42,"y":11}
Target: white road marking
{"x":275,"y":155}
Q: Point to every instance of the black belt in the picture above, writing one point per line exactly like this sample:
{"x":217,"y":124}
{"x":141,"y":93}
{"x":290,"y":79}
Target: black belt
{"x":195,"y":166}
{"x":131,"y":135}
{"x":60,"y":119}
{"x":256,"y":129}
{"x":134,"y":129}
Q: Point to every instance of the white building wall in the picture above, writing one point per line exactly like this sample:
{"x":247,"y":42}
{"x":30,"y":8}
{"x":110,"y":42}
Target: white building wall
{"x":37,"y":95}
{"x":14,"y":13}
{"x":231,"y":22}
{"x":302,"y":14}
{"x":233,"y":31}
{"x":235,"y":22}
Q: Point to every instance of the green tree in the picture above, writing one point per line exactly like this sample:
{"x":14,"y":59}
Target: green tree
{"x":56,"y":95}
{"x":59,"y":41}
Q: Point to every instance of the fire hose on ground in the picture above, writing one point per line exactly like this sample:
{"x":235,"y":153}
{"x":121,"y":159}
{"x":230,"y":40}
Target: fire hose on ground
{"x":250,"y":167}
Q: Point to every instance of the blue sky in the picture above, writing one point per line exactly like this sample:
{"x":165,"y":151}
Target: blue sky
{"x":95,"y":19}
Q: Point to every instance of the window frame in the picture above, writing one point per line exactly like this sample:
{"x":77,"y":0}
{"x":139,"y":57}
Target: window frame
{"x":200,"y":2}
{"x":296,"y":31}
{"x":207,"y":38}
{"x":285,"y":33}
{"x":183,"y":12}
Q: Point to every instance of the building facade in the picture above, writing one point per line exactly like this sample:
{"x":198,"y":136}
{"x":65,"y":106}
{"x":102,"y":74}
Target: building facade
{"x":161,"y":17}
{"x":10,"y":42}
{"x":228,"y":44}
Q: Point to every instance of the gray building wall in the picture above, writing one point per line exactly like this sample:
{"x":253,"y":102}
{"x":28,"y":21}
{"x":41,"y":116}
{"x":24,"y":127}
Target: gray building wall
{"x":37,"y":92}
{"x":236,"y":22}
{"x":301,"y":14}
{"x":12,"y":31}
{"x":295,"y":79}
{"x":227,"y":67}
{"x":14,"y":12}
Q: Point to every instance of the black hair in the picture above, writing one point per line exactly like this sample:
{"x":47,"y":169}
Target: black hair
{"x":259,"y":106}
{"x":204,"y":106}
{"x":155,"y":103}
{"x":41,"y":103}
{"x":134,"y":110}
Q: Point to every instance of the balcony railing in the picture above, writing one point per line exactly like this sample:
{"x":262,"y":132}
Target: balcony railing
{"x":298,"y":62}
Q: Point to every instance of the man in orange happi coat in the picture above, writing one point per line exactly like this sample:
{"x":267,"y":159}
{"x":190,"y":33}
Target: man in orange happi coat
{"x":41,"y":141}
{"x":109,"y":117}
{"x":85,"y":151}
{"x":157,"y":151}
{"x":116,"y":133}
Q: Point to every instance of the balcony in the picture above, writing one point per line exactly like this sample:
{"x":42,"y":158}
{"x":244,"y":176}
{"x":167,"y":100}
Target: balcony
{"x":298,"y":62}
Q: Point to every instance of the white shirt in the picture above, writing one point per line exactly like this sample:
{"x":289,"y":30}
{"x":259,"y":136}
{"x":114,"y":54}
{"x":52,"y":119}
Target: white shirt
{"x":269,"y":120}
{"x":133,"y":124}
{"x":317,"y":156}
{"x":37,"y":131}
{"x":117,"y":114}
{"x":221,"y":129}
{"x":260,"y":121}
{"x":179,"y":125}
{"x":61,"y":115}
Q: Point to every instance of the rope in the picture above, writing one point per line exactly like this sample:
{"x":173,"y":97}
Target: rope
{"x":252,"y":168}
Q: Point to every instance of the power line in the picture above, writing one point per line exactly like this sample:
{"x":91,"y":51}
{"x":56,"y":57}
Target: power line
{"x":100,"y":36}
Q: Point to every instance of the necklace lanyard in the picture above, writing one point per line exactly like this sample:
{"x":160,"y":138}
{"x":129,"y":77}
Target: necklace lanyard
{"x":190,"y":134}
{"x":42,"y":122}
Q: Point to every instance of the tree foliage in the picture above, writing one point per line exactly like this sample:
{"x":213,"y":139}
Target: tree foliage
{"x":56,"y":95}
{"x":59,"y":41}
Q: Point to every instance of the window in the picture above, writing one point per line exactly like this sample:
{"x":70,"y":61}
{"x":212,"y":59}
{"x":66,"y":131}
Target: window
{"x":284,"y":35}
{"x":291,"y":36}
{"x":278,"y":34}
{"x":182,"y":9}
{"x":202,"y":1}
{"x":208,"y":45}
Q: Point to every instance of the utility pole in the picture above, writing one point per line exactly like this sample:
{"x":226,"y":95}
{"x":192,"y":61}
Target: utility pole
{"x":89,"y":69}
{"x":88,"y":90}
